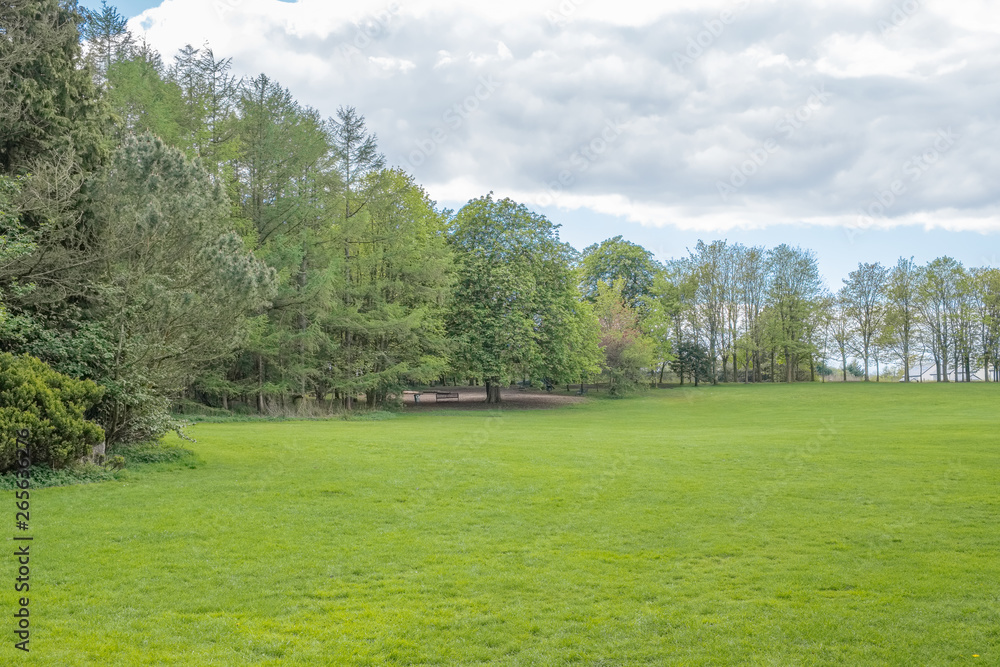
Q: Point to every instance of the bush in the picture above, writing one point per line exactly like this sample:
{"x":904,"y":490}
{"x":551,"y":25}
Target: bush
{"x":51,"y":406}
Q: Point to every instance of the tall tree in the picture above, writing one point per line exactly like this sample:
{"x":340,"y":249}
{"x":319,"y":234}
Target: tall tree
{"x":842,"y":327}
{"x":938,"y":293}
{"x":401,"y":273}
{"x":710,"y":264}
{"x":507,"y":255}
{"x":754,"y":280}
{"x":795,"y":289}
{"x":679,"y":291}
{"x":285,"y":185}
{"x":360,"y":165}
{"x":176,"y":284}
{"x":627,"y":351}
{"x":902,"y":313}
{"x":50,"y":110}
{"x":107,"y":36}
{"x":864,"y":292}
{"x":987,"y":296}
{"x":144,"y":100}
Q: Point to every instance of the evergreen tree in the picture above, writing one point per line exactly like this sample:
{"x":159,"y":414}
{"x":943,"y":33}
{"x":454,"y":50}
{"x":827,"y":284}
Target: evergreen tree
{"x":50,"y":109}
{"x":107,"y":36}
{"x":143,"y":99}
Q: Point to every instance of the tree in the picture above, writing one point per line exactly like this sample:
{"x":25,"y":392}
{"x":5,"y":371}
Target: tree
{"x":107,"y":36}
{"x":618,"y":260}
{"x":691,"y":360}
{"x":864,"y":294}
{"x":627,"y":352}
{"x":285,"y":186}
{"x":938,"y":294}
{"x":795,"y":290}
{"x":401,"y":274}
{"x":50,"y":110}
{"x":215,"y":141}
{"x":175,"y":283}
{"x":658,"y":325}
{"x":902,"y":313}
{"x":754,"y":280}
{"x":987,"y":295}
{"x":358,"y":161}
{"x":507,"y":256}
{"x":842,"y":327}
{"x":712,"y":272}
{"x":143,"y":99}
{"x":679,"y":301}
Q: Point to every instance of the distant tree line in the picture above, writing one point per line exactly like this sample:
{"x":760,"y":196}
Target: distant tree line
{"x":175,"y":233}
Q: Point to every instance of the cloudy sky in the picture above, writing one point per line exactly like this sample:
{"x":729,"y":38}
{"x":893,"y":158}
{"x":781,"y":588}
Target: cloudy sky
{"x":863,"y":129}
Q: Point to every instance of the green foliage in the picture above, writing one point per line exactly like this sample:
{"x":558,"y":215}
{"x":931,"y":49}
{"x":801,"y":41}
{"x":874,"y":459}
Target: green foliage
{"x":143,"y":100}
{"x":795,"y":291}
{"x":176,"y":286}
{"x":64,"y":341}
{"x":389,"y":317}
{"x":49,"y":106}
{"x":628,"y":353}
{"x":120,"y":465}
{"x":153,"y":452}
{"x":15,"y":240}
{"x":82,"y":473}
{"x":618,"y":261}
{"x":51,"y":406}
{"x":107,"y":36}
{"x":513,"y":311}
{"x":692,"y":362}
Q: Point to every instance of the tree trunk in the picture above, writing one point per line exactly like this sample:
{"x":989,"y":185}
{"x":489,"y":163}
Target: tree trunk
{"x":260,"y":384}
{"x":906,"y":356}
{"x":493,"y":390}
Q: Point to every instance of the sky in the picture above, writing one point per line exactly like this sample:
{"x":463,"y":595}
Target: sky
{"x":864,"y":130}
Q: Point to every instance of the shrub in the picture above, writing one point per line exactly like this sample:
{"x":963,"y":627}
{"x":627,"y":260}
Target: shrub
{"x":51,"y":406}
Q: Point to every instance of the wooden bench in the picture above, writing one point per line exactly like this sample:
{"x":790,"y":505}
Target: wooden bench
{"x":446,"y":396}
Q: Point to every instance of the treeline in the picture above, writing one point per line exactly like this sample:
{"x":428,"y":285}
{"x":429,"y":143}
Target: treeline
{"x":751,"y":314}
{"x":173,"y":232}
{"x":176,"y":233}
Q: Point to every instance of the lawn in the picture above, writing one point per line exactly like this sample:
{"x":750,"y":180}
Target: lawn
{"x":771,"y":525}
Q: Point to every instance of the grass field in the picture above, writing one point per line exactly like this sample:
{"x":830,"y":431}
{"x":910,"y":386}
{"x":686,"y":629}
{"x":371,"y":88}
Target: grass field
{"x":773,"y":525}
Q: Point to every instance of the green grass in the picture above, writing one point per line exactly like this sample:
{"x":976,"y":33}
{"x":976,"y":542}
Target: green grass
{"x":772,"y":525}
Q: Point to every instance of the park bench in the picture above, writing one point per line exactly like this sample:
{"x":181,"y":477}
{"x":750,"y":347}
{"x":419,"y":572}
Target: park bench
{"x":446,"y":395}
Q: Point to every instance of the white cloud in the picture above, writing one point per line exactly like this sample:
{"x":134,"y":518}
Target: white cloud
{"x":392,"y":64}
{"x":516,"y":97}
